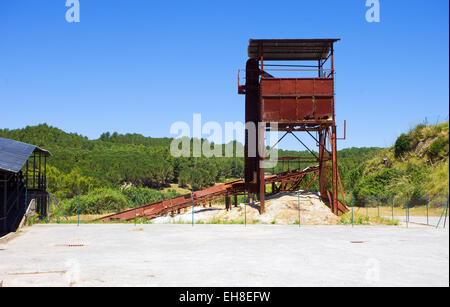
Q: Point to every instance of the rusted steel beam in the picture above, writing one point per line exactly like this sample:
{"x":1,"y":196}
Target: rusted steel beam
{"x":295,"y":104}
{"x":312,"y":180}
{"x":167,"y":206}
{"x":322,"y":164}
{"x":251,"y":165}
{"x":335,"y":172}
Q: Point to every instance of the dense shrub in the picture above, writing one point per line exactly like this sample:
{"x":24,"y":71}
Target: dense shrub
{"x":67,"y":185}
{"x":437,"y":147}
{"x":402,"y":145}
{"x":377,"y":183}
{"x":99,"y":201}
{"x":416,"y":176}
{"x":145,"y":196}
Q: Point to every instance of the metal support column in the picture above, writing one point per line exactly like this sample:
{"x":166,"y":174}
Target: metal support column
{"x":335,"y":174}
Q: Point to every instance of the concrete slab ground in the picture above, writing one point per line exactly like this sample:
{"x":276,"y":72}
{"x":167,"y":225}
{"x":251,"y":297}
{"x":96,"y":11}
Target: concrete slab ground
{"x":225,"y":255}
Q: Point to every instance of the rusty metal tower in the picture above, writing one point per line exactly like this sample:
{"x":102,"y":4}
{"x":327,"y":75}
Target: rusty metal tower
{"x":299,"y":99}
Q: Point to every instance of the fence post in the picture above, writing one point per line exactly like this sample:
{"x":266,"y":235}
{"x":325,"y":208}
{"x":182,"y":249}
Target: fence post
{"x":444,"y":211}
{"x":298,"y":200}
{"x":135,"y":200}
{"x":193,"y":207}
{"x":367,"y":206}
{"x":393,"y":199}
{"x":79,"y":192}
{"x":245,"y":208}
{"x":406,"y":209}
{"x":445,"y":216}
{"x":351,"y":203}
{"x":26,"y":202}
{"x":426,"y":203}
{"x":407,"y":202}
{"x":26,"y":197}
{"x":378,"y":205}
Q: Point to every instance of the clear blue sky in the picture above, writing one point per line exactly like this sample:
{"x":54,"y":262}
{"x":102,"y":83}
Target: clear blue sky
{"x":138,"y":66}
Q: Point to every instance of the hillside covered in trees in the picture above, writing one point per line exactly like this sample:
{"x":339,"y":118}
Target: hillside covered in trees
{"x":104,"y":167}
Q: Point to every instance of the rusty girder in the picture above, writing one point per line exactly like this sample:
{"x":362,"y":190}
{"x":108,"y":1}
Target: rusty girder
{"x":168,"y":206}
{"x":297,"y":100}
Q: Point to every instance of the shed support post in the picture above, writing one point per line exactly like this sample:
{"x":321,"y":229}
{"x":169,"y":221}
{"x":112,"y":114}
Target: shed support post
{"x":5,"y":197}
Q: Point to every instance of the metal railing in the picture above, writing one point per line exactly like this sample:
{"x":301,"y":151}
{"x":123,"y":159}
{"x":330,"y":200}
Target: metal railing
{"x":321,"y":74}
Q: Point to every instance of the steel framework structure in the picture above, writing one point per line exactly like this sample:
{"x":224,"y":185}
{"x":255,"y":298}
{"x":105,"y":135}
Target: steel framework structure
{"x":203,"y":197}
{"x":18,"y":188}
{"x":295,"y":104}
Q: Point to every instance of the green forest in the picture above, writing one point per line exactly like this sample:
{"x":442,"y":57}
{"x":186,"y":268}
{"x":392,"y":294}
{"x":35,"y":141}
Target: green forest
{"x":108,"y":169}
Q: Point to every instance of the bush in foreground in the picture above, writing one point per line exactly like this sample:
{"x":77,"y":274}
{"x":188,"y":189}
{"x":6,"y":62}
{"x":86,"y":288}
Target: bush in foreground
{"x":99,"y":201}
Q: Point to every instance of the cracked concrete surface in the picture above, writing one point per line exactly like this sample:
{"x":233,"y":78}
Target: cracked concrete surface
{"x":225,"y":255}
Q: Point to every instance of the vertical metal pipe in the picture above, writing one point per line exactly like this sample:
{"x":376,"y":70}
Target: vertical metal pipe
{"x":17,"y":190}
{"x":444,"y":211}
{"x":45,"y":167}
{"x":426,"y":204}
{"x":332,"y":61}
{"x":406,"y":210}
{"x":26,"y":204}
{"x":299,"y":216}
{"x":34,"y":170}
{"x":334,"y":144}
{"x":319,"y":67}
{"x":367,"y":206}
{"x":378,"y":205}
{"x":193,"y":207}
{"x":322,"y":163}
{"x":407,"y":205}
{"x":135,"y":202}
{"x":366,"y":203}
{"x":26,"y":198}
{"x":27,"y":175}
{"x":40,"y":173}
{"x":245,"y":208}
{"x":79,"y":192}
{"x":393,"y":199}
{"x":45,"y":187}
{"x":41,"y":198}
{"x":351,"y":203}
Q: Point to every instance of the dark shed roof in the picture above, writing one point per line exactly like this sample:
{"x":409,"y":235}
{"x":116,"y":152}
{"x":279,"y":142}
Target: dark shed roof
{"x":14,"y":154}
{"x":290,"y":49}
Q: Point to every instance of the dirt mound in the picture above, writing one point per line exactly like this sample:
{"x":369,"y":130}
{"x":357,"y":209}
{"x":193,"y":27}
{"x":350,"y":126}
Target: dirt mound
{"x":283,"y":209}
{"x":280,"y":209}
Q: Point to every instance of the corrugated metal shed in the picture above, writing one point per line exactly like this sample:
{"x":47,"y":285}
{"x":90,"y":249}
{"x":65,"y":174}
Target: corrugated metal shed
{"x":14,"y":154}
{"x":290,"y":49}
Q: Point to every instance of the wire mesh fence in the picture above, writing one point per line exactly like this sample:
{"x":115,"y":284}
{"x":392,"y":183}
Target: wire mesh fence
{"x":404,"y":209}
{"x":399,"y":210}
